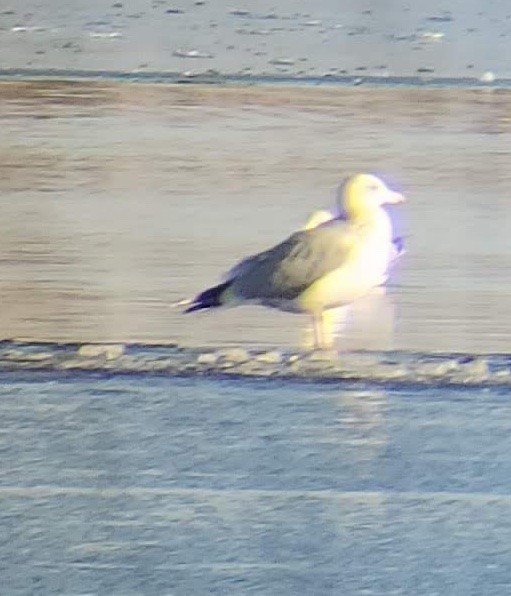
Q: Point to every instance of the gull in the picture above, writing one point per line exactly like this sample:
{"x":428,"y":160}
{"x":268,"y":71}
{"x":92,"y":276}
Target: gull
{"x":336,"y":320}
{"x":321,"y":267}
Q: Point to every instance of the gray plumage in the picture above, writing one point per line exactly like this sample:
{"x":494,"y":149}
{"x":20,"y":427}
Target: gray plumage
{"x":288,"y":269}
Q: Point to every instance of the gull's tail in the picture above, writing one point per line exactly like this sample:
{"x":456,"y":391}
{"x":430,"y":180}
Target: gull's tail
{"x":210,"y":298}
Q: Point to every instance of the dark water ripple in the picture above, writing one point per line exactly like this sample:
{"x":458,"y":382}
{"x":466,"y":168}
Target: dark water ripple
{"x":278,"y":79}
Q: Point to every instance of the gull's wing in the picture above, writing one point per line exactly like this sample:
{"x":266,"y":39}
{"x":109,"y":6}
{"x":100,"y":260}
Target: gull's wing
{"x":317,"y":218}
{"x":288,"y":269}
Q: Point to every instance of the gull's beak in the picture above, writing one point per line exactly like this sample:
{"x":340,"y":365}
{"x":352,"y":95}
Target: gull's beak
{"x":393,"y":198}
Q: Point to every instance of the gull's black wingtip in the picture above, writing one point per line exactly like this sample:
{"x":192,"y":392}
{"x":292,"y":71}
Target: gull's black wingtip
{"x":195,"y":306}
{"x":210,"y":298}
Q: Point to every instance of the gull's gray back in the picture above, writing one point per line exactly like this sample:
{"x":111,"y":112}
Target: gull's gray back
{"x":288,"y":269}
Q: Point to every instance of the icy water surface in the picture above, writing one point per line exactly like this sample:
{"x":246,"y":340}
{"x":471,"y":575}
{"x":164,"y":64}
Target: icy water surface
{"x":151,"y":485}
{"x":293,"y":38}
{"x":119,"y":199}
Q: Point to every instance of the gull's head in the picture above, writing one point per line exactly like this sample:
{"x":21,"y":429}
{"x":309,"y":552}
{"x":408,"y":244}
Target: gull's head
{"x":363,"y":193}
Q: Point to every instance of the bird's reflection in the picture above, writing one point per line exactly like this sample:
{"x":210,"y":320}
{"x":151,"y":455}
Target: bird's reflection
{"x":367,"y":324}
{"x":360,"y":429}
{"x":361,"y":418}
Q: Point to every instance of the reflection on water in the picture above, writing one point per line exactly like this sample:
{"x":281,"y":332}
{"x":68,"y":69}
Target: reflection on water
{"x":118,"y":200}
{"x":362,"y":418}
{"x":368,"y":324}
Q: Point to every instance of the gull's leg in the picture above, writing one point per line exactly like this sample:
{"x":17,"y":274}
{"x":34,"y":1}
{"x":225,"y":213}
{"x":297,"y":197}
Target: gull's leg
{"x":323,"y":339}
{"x":318,"y":330}
{"x":312,"y":338}
{"x":338,"y":320}
{"x":327,"y":324}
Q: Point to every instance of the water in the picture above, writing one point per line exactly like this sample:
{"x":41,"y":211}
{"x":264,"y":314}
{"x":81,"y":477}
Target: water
{"x":304,"y":38}
{"x":151,"y":485}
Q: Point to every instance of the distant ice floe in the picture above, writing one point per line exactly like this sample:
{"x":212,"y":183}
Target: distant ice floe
{"x":105,"y":34}
{"x":282,"y":61}
{"x":191,"y":54}
{"x":487,"y":77}
{"x":383,"y":367}
{"x":30,"y":29}
{"x":431,"y":35}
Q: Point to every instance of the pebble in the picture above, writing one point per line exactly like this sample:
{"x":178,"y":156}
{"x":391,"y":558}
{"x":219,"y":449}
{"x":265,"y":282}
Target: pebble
{"x":323,"y":356}
{"x":207,"y":358}
{"x":477,"y":368}
{"x":234,"y":354}
{"x":108,"y":351}
{"x":438,"y":369}
{"x":272,"y":357}
{"x":21,"y":355}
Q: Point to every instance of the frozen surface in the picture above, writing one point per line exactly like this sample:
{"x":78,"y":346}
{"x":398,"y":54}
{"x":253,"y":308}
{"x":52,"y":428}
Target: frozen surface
{"x":151,"y":485}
